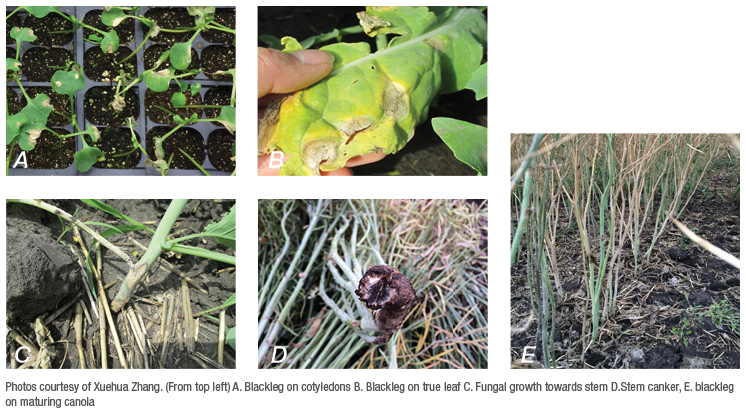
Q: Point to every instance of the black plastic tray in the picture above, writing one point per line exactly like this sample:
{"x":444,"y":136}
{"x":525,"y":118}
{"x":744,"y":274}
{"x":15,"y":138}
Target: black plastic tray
{"x":79,"y":46}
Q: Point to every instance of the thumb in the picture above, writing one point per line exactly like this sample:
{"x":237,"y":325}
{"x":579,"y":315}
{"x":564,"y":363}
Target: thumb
{"x":281,"y":72}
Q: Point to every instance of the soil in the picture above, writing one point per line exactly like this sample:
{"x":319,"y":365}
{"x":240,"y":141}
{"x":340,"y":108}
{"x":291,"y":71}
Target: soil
{"x":216,"y":280}
{"x":125,"y":30}
{"x":218,"y":58}
{"x":153,"y":53}
{"x":103,"y":67}
{"x":170,"y":18}
{"x":98,"y":110}
{"x":227,"y":18}
{"x":220,"y":149}
{"x":43,"y":27}
{"x":217,"y":95}
{"x":36,"y":62}
{"x":188,"y":139}
{"x":10,"y":52}
{"x":44,"y":157}
{"x":425,"y":154}
{"x":61,"y":104}
{"x":115,"y":141}
{"x":674,"y":291}
{"x":15,"y":21}
{"x":11,"y":97}
{"x":163,"y":99}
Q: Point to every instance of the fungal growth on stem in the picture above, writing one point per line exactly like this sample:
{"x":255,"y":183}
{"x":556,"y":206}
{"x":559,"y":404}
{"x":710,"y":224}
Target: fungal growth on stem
{"x":384,"y":295}
{"x":390,"y":296}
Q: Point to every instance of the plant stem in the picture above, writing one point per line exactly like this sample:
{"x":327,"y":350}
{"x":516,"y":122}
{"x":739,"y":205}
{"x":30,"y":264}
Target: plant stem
{"x":154,"y":251}
{"x":194,"y":162}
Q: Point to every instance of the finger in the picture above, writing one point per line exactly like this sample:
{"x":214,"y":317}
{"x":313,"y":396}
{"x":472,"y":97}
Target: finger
{"x":365,"y":159}
{"x":263,"y":165}
{"x":281,"y":72}
{"x":337,"y":172}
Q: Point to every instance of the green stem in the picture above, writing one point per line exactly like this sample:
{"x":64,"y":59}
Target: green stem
{"x":164,"y":110}
{"x":194,"y":162}
{"x":139,"y":46}
{"x":153,"y":252}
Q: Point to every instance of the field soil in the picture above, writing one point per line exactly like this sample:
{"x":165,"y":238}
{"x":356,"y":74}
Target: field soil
{"x":44,"y":275}
{"x":679,"y":310}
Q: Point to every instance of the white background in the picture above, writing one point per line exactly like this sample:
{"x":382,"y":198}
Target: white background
{"x":570,"y":66}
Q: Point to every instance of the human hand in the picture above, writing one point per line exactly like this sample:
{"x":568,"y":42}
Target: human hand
{"x":283,"y":73}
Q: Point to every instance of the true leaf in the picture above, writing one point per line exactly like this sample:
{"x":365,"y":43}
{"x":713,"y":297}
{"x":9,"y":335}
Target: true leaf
{"x":194,"y":89}
{"x":372,"y":102}
{"x":467,"y":141}
{"x":178,"y":100}
{"x":478,"y":82}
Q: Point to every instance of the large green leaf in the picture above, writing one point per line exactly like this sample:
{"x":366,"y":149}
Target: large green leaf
{"x":478,"y":82}
{"x":467,"y":141}
{"x":372,"y":102}
{"x":224,"y":231}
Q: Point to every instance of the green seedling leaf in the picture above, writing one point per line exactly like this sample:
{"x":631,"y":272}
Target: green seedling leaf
{"x":113,"y":211}
{"x":68,"y":82}
{"x":467,"y":141}
{"x":41,"y":11}
{"x":13,"y":124}
{"x":478,"y":82}
{"x":228,"y":303}
{"x":158,"y":81}
{"x":199,"y":252}
{"x":110,"y":43}
{"x":86,"y":158}
{"x":203,"y":13}
{"x":179,"y":120}
{"x":194,"y":89}
{"x":373,"y":102}
{"x":291,"y":44}
{"x":94,"y":39}
{"x":178,"y":100}
{"x":271,"y":41}
{"x":113,"y":16}
{"x":12,"y":65}
{"x":227,"y":117}
{"x":22,"y":34}
{"x":183,"y":85}
{"x":224,"y":231}
{"x":230,"y":338}
{"x":181,"y":55}
{"x":38,"y":109}
{"x":29,"y":135}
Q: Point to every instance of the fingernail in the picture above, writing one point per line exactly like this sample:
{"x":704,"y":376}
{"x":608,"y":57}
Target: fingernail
{"x":314,"y":57}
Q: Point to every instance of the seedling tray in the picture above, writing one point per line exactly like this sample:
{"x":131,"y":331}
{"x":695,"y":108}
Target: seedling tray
{"x":78,"y":47}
